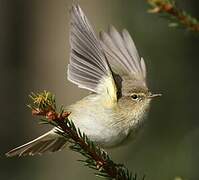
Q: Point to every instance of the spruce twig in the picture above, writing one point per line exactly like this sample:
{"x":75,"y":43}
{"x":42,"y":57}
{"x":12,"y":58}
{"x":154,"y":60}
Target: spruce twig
{"x":96,"y":158}
{"x":177,"y":16}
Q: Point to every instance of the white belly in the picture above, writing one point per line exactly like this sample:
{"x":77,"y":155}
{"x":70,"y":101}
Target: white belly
{"x":99,"y":128}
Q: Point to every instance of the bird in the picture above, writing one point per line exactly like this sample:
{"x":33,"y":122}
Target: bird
{"x":110,"y":68}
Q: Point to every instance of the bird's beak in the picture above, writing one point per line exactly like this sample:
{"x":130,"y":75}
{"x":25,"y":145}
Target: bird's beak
{"x":154,"y":95}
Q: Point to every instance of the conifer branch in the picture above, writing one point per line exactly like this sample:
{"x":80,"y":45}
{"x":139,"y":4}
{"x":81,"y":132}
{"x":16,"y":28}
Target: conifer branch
{"x":177,"y":16}
{"x":96,"y":158}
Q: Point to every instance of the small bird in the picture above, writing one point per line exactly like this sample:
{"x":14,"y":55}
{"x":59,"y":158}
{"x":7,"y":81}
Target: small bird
{"x":109,"y":67}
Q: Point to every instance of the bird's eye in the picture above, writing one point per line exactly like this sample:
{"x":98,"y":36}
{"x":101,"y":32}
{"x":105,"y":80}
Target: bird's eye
{"x":134,"y":96}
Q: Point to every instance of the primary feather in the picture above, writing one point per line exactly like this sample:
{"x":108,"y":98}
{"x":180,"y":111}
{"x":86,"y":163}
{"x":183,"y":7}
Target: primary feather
{"x":123,"y":55}
{"x":88,"y":66}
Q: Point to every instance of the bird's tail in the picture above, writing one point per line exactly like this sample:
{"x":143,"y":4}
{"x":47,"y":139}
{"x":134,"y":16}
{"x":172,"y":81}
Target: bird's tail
{"x":49,"y":142}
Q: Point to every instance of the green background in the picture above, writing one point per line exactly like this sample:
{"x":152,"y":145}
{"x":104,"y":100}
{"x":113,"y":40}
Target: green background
{"x":34,"y":53}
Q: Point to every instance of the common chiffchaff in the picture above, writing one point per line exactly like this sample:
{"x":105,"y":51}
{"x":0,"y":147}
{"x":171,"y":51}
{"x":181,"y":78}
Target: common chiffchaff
{"x":112,"y":70}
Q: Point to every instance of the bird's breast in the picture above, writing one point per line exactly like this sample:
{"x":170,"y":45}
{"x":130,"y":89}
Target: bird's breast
{"x":105,"y":126}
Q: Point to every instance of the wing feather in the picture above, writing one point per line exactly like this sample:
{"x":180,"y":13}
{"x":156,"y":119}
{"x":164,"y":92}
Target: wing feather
{"x":120,"y":43}
{"x":88,"y":66}
{"x":122,"y":54}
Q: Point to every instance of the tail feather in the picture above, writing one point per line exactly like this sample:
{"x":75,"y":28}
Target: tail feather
{"x":49,"y":142}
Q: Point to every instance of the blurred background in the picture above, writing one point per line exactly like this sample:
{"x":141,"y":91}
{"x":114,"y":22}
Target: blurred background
{"x":34,"y":44}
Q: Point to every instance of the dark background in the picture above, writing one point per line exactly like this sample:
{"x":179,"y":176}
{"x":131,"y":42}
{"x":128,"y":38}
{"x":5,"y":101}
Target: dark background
{"x":34,"y":56}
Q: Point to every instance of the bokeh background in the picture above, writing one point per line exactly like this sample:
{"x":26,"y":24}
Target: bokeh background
{"x":34,"y":43}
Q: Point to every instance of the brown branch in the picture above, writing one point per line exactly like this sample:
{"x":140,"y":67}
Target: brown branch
{"x":169,"y":7}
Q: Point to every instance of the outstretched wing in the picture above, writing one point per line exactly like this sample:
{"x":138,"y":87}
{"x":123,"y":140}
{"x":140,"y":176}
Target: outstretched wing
{"x":88,"y":67}
{"x":122,"y":54}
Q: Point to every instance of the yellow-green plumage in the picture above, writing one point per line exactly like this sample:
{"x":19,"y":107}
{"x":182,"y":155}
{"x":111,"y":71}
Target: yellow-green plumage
{"x":112,"y":70}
